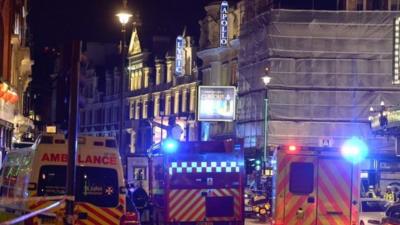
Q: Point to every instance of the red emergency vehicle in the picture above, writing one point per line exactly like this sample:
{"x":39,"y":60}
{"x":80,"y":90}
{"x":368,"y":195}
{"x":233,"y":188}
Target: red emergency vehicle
{"x":314,"y":186}
{"x":201,"y":181}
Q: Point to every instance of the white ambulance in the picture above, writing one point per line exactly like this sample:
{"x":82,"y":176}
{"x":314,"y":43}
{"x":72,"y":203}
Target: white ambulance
{"x":41,"y":171}
{"x":314,"y":185}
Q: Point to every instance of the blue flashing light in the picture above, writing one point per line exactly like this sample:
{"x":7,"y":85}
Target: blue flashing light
{"x":258,"y":162}
{"x":170,"y":146}
{"x":354,"y":150}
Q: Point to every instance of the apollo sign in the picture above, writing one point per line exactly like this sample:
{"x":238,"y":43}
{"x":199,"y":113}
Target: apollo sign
{"x":223,"y":41}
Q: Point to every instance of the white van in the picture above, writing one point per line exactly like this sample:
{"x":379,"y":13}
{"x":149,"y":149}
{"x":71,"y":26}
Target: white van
{"x":42,"y":169}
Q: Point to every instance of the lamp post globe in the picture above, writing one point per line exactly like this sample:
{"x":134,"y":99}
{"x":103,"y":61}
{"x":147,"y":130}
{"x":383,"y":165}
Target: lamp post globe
{"x":266,"y":80}
{"x":124,"y":17}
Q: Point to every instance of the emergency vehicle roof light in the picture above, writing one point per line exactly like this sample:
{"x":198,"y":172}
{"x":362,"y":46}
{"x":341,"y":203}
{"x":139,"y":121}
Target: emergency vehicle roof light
{"x":170,"y":146}
{"x":354,"y":150}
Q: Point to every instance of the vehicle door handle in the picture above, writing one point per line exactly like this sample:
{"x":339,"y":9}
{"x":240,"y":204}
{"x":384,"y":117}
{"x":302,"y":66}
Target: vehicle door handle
{"x":82,"y":216}
{"x":333,"y":213}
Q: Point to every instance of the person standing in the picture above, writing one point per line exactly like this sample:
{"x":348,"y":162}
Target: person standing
{"x":389,"y":195}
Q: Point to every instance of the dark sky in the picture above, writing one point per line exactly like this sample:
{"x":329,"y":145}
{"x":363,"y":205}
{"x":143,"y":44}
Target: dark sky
{"x":53,"y":21}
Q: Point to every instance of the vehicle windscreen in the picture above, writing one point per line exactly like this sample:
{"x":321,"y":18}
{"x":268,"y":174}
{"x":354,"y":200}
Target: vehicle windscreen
{"x":15,"y":174}
{"x":374,"y":206}
{"x":98,"y":186}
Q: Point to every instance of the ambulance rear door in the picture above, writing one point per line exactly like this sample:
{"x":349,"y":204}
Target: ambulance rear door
{"x":300,"y":182}
{"x":335,"y":192}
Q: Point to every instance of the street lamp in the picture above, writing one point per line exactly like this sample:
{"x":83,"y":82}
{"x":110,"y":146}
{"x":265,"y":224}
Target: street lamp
{"x":123,"y":17}
{"x":266,"y":80}
{"x":381,"y":115}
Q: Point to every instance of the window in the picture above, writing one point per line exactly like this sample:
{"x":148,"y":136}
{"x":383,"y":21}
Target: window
{"x":109,"y":119}
{"x":52,"y":180}
{"x":82,"y":118}
{"x":394,"y":5}
{"x":301,"y":178}
{"x":98,"y":186}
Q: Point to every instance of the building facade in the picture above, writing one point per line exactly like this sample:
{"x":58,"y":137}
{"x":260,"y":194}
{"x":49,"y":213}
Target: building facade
{"x":155,"y":93}
{"x":219,"y":64}
{"x":99,"y":90}
{"x":15,"y":69}
{"x":327,"y":69}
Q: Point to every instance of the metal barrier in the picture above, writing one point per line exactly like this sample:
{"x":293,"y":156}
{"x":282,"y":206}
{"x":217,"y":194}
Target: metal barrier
{"x":61,"y":200}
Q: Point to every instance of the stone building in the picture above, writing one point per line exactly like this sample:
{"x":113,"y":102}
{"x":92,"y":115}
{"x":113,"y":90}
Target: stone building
{"x":99,"y":90}
{"x":219,"y":64}
{"x":327,"y":68}
{"x":155,"y":93}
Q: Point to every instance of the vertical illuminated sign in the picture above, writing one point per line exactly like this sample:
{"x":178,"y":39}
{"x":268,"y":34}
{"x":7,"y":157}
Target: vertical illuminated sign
{"x":396,"y":51}
{"x":223,"y":40}
{"x":179,"y":57}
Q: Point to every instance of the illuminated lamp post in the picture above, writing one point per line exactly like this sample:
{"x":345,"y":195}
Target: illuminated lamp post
{"x":123,"y":17}
{"x":266,"y":80}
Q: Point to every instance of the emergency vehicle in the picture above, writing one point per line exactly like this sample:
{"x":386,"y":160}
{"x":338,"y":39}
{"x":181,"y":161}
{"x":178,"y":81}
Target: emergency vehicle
{"x":199,"y":182}
{"x":314,"y":185}
{"x":41,"y":171}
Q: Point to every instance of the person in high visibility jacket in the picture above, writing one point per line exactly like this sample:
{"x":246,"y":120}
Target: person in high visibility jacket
{"x":389,"y":195}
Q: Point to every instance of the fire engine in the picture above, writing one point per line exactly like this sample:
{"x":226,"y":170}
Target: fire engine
{"x":316,"y":185}
{"x":194,"y":182}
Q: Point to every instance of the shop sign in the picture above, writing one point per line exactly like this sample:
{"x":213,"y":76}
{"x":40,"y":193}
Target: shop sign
{"x":179,"y":57}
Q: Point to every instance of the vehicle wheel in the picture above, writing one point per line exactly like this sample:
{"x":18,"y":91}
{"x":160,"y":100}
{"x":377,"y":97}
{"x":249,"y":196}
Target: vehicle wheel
{"x":362,"y":223}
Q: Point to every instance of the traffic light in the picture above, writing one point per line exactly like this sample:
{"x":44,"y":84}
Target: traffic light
{"x":354,"y":150}
{"x":258,"y":164}
{"x":169,"y":146}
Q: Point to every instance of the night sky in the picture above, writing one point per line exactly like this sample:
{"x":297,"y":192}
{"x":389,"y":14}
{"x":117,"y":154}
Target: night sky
{"x":53,"y":22}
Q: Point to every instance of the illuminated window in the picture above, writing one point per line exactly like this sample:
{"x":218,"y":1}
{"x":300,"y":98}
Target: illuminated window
{"x":132,"y":81}
{"x":192,"y":99}
{"x":176,"y":102}
{"x":132,"y":110}
{"x":137,"y":110}
{"x":145,"y":102}
{"x":156,"y":105}
{"x":184,"y":100}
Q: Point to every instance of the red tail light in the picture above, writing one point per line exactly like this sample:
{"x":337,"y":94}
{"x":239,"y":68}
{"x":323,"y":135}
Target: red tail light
{"x":292,"y":148}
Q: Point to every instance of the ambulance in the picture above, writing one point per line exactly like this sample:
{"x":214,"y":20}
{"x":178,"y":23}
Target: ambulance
{"x":314,"y":185}
{"x":41,"y":171}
